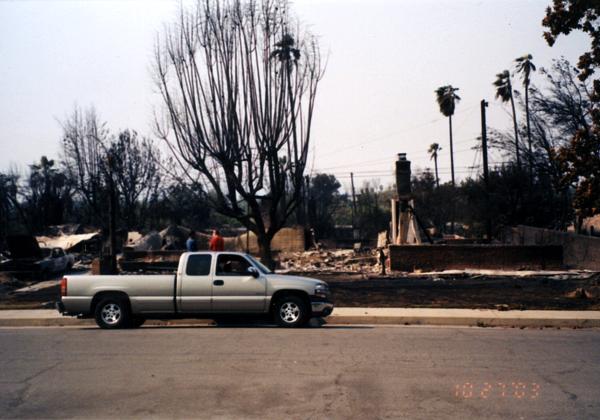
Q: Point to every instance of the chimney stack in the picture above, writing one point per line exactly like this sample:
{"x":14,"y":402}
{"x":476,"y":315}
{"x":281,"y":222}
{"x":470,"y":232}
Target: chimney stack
{"x":403,"y":177}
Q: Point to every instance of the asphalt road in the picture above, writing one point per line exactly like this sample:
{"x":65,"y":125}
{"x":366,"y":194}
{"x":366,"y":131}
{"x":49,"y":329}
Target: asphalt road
{"x":330,"y":372}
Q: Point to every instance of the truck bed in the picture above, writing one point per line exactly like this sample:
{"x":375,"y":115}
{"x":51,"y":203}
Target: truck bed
{"x":146,"y":292}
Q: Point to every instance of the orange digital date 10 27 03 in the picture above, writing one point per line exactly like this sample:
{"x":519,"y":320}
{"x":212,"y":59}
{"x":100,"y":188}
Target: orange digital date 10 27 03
{"x":485,"y":390}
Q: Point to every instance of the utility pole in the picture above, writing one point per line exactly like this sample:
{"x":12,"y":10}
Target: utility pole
{"x":353,"y":203}
{"x":486,"y":175}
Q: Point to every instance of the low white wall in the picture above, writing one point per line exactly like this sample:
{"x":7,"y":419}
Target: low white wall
{"x":579,"y":251}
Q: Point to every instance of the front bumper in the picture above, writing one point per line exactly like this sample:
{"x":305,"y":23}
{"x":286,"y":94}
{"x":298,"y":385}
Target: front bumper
{"x":321,"y":307}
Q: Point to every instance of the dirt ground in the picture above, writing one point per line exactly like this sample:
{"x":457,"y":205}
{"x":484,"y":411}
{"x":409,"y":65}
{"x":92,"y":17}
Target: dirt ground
{"x":459,"y":290}
{"x":466,"y":291}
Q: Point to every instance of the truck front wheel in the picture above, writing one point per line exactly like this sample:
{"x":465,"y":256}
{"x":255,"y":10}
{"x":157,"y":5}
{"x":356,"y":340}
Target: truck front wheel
{"x":291,"y":311}
{"x":112,"y":313}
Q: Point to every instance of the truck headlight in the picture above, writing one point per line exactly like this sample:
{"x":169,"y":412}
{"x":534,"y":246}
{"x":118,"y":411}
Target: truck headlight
{"x":322,"y":290}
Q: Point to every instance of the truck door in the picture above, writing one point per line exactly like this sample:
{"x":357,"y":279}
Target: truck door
{"x":194,"y":289}
{"x":234,"y":289}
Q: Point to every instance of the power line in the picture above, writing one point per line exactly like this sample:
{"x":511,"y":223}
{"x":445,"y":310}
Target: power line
{"x":385,"y":136}
{"x":380,"y":138}
{"x":465,"y":169}
{"x":357,"y":164}
{"x":376,"y":161}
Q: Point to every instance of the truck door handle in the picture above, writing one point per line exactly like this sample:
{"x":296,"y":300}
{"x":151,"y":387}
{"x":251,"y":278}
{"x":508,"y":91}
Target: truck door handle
{"x":218,"y":282}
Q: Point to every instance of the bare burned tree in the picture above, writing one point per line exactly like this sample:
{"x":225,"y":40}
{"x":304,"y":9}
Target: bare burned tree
{"x":239,"y":81}
{"x":136,"y":172}
{"x":83,"y":152}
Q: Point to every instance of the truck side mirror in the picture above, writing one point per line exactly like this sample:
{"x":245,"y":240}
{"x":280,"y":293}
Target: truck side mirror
{"x":253,"y":272}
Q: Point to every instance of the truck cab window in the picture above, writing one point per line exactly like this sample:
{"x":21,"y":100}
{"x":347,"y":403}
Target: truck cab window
{"x":198,"y":265}
{"x":232,"y":265}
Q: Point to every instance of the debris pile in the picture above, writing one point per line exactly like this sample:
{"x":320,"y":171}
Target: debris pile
{"x":150,"y":242}
{"x":83,"y":261}
{"x":169,"y":239}
{"x":69,"y":242}
{"x":338,"y":261}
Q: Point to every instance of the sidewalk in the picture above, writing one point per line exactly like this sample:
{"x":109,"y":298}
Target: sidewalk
{"x":368,"y":316}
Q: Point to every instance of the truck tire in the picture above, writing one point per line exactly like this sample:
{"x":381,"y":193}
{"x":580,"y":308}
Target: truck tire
{"x":291,"y":311}
{"x":112,"y":313}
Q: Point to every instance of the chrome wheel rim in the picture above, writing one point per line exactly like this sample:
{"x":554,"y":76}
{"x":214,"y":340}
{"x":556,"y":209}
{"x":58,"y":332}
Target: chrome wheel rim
{"x":289,"y":312}
{"x":111,"y":313}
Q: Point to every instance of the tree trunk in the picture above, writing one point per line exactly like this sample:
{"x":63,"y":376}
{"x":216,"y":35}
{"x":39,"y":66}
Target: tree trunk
{"x":452,"y":170}
{"x":451,"y":150}
{"x":264,"y":250}
{"x":112,"y":217}
{"x":579,"y":224}
{"x":514,"y":114}
{"x":112,"y":227}
{"x":298,"y":184}
{"x":528,"y":134}
{"x":437,"y":178}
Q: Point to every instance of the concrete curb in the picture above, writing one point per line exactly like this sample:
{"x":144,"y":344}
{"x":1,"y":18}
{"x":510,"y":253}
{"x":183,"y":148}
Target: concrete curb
{"x":466,"y":317}
{"x":466,"y":322}
{"x":69,"y":322}
{"x":358,"y":316}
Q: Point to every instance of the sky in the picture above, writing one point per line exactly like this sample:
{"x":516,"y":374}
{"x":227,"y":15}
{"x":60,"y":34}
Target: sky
{"x":385,"y":58}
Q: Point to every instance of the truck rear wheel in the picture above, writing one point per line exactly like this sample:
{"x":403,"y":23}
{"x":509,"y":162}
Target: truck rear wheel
{"x":112,"y":313}
{"x":291,"y":311}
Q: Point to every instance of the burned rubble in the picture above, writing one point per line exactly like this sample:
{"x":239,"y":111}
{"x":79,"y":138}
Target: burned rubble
{"x":330,"y":261}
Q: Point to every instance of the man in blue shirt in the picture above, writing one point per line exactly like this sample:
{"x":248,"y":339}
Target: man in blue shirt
{"x":191,"y":244}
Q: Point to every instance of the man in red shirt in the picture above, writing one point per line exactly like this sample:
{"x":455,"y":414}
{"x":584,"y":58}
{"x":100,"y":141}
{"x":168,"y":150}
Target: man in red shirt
{"x":216,"y":242}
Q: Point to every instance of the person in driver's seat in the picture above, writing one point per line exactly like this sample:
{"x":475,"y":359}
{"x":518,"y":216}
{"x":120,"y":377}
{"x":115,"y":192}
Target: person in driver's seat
{"x":227,"y":268}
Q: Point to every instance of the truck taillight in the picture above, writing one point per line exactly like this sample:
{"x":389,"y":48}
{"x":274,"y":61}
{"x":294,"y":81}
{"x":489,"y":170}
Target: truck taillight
{"x":63,"y":287}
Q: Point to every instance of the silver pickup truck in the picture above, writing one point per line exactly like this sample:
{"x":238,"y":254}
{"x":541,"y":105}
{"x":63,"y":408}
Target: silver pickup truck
{"x":207,"y":284}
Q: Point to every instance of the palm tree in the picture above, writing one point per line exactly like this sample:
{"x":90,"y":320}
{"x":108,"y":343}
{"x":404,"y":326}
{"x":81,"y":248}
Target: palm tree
{"x":286,"y":50}
{"x":288,"y":55}
{"x":525,"y":66}
{"x":434,"y":148}
{"x":447,"y":100}
{"x":505,"y":92}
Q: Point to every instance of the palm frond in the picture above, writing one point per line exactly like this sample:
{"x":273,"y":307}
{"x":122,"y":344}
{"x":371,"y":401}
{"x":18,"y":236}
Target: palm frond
{"x":447,"y":98}
{"x":503,"y":86}
{"x":525,"y":66}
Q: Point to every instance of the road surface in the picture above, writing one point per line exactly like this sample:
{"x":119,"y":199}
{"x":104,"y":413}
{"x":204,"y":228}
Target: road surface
{"x":331,"y":372}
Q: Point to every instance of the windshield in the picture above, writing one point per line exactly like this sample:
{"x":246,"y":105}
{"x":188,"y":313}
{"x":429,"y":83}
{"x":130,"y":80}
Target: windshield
{"x":259,"y":265}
